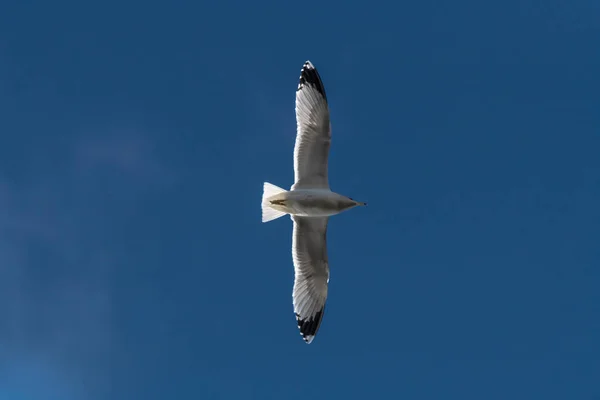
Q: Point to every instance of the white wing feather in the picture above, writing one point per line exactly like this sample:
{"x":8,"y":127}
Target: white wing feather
{"x":311,"y":266}
{"x":313,"y":136}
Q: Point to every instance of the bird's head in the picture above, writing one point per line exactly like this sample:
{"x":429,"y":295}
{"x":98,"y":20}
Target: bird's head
{"x":357,"y":203}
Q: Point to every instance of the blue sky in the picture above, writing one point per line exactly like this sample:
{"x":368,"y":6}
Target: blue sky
{"x":134,"y":141}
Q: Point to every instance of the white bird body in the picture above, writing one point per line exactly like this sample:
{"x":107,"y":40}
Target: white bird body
{"x":309,"y":202}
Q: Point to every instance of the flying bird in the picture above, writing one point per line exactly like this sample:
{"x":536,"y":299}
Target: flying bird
{"x":309,"y":202}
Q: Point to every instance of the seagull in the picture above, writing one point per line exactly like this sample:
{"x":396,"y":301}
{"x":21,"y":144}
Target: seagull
{"x":309,"y":202}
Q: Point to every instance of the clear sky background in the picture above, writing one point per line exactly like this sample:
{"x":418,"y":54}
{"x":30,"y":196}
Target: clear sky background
{"x":134,"y":141}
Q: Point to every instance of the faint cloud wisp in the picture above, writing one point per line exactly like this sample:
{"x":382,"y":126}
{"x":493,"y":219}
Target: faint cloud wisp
{"x":57,"y":268}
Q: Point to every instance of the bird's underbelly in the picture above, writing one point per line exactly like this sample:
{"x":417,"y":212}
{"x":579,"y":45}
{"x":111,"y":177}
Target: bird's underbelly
{"x":307,"y":205}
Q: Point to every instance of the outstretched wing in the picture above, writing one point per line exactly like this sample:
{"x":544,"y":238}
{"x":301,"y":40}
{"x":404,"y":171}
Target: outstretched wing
{"x":309,"y":251}
{"x":313,"y":136}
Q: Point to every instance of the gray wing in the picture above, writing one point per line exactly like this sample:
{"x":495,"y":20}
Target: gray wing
{"x":309,"y":250}
{"x":313,"y":136}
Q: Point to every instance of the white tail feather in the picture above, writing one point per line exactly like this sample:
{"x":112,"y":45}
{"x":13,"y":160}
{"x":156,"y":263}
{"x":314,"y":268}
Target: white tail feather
{"x":268,"y":213}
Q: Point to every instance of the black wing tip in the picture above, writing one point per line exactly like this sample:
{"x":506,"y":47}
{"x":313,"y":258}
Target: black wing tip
{"x":309,"y":326}
{"x":310,"y":76}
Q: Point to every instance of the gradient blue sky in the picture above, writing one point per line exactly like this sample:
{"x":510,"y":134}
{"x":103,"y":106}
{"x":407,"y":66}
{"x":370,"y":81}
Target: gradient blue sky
{"x":134,"y":141}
